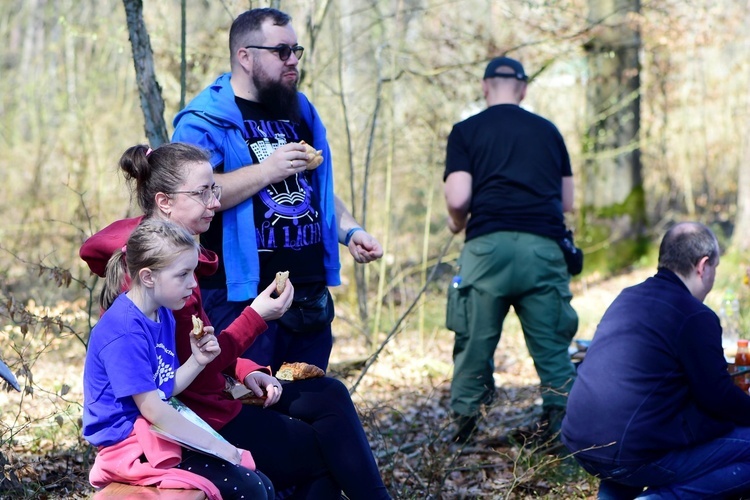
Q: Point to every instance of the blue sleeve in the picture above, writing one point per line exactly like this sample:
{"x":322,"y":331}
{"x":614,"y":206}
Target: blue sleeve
{"x":192,"y":130}
{"x":710,"y":384}
{"x":128,"y":361}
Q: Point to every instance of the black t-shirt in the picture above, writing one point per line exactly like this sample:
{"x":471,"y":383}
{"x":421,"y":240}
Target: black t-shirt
{"x":287,"y":223}
{"x":517,"y":161}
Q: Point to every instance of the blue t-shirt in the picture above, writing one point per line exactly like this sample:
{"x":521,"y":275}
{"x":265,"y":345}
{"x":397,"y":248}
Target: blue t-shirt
{"x":128,"y":354}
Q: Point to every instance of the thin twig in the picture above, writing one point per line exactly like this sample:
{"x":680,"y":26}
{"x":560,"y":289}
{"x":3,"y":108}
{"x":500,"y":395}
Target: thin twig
{"x":396,"y":327}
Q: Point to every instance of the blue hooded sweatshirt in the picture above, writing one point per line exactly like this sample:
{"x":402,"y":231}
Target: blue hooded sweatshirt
{"x":213,"y":121}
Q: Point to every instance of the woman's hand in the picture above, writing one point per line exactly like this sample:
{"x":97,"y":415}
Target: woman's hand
{"x":257,"y":381}
{"x":270,"y":308}
{"x":205,"y":349}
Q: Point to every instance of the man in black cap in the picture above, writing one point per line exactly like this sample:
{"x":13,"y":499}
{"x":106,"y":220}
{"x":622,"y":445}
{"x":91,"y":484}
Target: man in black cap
{"x":508,"y":181}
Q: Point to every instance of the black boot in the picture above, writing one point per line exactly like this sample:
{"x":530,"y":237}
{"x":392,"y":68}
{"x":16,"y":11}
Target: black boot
{"x":466,"y":428}
{"x":548,"y":438}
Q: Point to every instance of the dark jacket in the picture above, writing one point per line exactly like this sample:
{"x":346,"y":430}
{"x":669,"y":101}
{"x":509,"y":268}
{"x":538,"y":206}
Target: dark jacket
{"x":654,"y":379}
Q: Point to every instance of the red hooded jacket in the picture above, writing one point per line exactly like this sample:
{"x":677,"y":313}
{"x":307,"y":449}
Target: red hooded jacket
{"x":205,"y":396}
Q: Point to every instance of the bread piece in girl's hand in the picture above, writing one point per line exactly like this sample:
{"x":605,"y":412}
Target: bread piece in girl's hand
{"x":298,"y":371}
{"x":315,"y":156}
{"x":198,"y":331}
{"x":281,"y":278}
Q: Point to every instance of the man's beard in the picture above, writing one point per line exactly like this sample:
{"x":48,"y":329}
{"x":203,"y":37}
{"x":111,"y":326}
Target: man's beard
{"x":280,"y":99}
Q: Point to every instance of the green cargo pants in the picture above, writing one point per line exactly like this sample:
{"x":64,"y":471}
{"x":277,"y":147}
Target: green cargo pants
{"x":497,"y":271}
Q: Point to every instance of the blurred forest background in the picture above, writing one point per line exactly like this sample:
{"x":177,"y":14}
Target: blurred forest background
{"x":651,"y":97}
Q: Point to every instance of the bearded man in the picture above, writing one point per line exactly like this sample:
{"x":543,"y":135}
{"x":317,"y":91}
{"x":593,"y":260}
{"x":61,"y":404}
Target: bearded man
{"x":278,"y":210}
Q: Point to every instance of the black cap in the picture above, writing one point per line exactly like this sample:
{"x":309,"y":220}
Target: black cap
{"x":517,"y":68}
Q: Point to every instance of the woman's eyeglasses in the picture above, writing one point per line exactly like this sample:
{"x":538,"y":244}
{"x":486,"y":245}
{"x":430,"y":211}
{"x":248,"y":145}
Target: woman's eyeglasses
{"x":285,"y":51}
{"x":206,"y":194}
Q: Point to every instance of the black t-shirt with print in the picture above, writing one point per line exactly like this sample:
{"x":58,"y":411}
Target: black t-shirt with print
{"x":288,"y":228}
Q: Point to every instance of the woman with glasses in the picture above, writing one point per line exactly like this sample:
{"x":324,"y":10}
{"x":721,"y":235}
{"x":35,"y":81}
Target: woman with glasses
{"x":307,"y":437}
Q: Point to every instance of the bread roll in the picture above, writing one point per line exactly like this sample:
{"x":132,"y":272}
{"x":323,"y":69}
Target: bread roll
{"x":281,"y":278}
{"x":298,"y":371}
{"x":198,"y":327}
{"x":315,"y":157}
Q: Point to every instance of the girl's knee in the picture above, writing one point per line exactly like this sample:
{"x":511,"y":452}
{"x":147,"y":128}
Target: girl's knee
{"x":245,"y":483}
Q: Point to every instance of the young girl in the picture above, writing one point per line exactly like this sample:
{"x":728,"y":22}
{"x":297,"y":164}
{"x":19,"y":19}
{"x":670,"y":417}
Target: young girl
{"x":131,"y":371}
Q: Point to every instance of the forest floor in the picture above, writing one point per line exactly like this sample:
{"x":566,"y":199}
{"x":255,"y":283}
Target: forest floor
{"x":403,"y":402}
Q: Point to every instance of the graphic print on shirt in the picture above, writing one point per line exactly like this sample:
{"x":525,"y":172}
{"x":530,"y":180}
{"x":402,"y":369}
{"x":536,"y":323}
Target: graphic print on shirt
{"x":285,"y":215}
{"x":164,"y":371}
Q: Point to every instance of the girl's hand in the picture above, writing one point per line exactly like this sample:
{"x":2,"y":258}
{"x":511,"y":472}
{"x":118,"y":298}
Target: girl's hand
{"x":270,"y":308}
{"x":207,"y":348}
{"x":257,"y":381}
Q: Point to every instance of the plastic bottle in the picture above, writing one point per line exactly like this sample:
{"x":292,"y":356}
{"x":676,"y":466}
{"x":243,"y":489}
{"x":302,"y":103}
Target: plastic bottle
{"x":729,"y":312}
{"x":741,"y":362}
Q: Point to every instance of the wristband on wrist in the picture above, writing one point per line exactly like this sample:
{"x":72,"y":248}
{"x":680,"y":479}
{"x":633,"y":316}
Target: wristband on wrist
{"x":350,"y":234}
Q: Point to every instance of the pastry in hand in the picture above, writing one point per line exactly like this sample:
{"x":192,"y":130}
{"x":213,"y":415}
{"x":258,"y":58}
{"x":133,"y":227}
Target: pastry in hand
{"x":281,"y":278}
{"x":198,"y":331}
{"x":315,"y":156}
{"x":298,"y":371}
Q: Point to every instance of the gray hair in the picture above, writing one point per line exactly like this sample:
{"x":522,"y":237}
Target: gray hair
{"x":685,"y":244}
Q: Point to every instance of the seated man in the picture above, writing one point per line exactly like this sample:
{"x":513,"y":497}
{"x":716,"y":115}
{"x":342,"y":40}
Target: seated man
{"x":654,"y":405}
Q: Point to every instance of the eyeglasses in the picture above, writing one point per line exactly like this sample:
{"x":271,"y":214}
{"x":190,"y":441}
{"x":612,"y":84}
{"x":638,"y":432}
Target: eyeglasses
{"x":207,"y":194}
{"x":284,"y":50}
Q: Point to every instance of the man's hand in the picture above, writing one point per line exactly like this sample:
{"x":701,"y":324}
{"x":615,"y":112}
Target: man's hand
{"x":364,"y":247}
{"x":456,"y":226}
{"x":287,"y":160}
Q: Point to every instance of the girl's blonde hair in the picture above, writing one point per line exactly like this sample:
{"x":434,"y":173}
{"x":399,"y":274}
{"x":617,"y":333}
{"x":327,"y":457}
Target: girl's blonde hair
{"x":154,"y":244}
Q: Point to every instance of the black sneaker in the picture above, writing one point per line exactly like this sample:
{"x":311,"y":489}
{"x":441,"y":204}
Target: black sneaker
{"x":466,"y":428}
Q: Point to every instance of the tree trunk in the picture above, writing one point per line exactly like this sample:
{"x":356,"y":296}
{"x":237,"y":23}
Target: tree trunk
{"x":149,"y":90}
{"x":741,"y":234}
{"x":613,"y":213}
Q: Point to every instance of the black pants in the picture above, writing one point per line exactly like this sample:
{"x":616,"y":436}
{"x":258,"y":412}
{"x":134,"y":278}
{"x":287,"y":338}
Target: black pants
{"x":233,"y":481}
{"x":311,"y":439}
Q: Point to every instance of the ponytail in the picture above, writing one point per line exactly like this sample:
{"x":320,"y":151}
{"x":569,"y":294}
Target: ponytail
{"x":115,"y":279}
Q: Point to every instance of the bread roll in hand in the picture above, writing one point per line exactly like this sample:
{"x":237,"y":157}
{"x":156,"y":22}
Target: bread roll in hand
{"x":315,"y":156}
{"x":198,"y":331}
{"x":281,"y":278}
